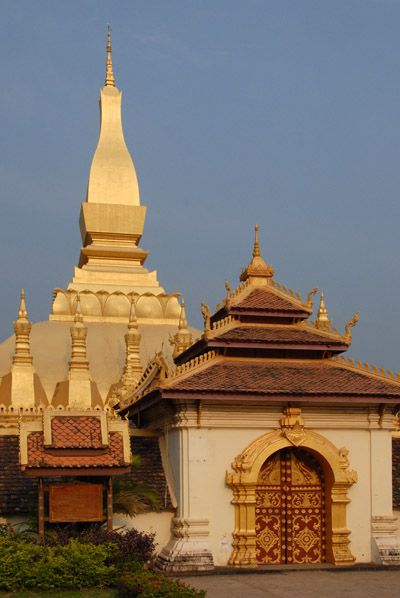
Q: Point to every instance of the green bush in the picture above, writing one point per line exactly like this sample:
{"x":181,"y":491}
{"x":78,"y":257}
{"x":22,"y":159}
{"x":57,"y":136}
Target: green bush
{"x":25,"y":565}
{"x":149,"y":584}
{"x":131,"y":543}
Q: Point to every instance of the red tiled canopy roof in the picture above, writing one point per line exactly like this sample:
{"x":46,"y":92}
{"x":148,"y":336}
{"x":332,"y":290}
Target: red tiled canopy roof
{"x":284,"y":378}
{"x":275,"y":335}
{"x":40,"y":457}
{"x":266,"y":300}
{"x":76,"y":432}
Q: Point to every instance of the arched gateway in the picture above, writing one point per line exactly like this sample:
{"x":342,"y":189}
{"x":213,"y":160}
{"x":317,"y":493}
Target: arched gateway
{"x":290,"y":495}
{"x":290,"y":510}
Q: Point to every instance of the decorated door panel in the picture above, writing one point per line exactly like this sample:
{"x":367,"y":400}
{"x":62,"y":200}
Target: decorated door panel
{"x":290,"y":509}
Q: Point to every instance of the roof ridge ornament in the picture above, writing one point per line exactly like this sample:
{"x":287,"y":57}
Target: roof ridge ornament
{"x":110,"y":79}
{"x":257,"y":270}
{"x":350,"y":324}
{"x":322,"y":322}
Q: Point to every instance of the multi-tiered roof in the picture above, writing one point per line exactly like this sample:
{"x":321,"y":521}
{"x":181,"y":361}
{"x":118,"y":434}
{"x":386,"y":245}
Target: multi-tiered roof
{"x":260,"y":344}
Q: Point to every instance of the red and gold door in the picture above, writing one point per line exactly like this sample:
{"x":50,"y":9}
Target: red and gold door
{"x":290,"y":509}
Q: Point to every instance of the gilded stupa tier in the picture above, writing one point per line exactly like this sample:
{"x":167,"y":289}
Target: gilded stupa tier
{"x":111,"y":264}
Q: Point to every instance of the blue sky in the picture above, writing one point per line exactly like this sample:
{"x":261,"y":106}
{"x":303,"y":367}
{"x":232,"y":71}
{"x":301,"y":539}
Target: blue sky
{"x":284,"y":113}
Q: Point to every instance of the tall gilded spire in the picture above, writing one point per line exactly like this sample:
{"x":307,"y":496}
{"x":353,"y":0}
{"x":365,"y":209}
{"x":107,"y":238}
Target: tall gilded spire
{"x":110,"y":80}
{"x":322,"y":322}
{"x":257,"y":270}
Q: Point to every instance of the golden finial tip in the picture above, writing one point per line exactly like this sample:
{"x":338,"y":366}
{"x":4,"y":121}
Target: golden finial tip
{"x":256,"y":249}
{"x":110,"y":80}
{"x":22,"y":311}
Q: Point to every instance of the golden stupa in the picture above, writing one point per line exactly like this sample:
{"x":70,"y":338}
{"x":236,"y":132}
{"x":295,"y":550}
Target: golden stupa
{"x":109,"y":278}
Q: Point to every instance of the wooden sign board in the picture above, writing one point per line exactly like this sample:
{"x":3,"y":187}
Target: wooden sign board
{"x":75,"y":502}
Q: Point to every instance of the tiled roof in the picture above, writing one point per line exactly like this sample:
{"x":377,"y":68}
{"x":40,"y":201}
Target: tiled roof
{"x":76,"y":432}
{"x":40,"y":457}
{"x":275,"y":335}
{"x":283,"y":378}
{"x":265,"y":300}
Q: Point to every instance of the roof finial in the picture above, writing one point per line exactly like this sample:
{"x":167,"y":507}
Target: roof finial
{"x":256,"y":248}
{"x":182,"y":339}
{"x":110,"y":81}
{"x":322,"y":322}
{"x":22,"y":312}
{"x":257,"y":270}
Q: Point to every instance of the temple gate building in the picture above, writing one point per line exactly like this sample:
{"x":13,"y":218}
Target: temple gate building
{"x":278,"y":449}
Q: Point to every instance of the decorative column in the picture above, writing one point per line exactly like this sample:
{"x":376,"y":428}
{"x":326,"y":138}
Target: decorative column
{"x":385,"y":540}
{"x":188,"y":549}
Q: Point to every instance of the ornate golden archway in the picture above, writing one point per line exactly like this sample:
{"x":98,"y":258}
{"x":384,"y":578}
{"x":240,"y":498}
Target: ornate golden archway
{"x":243,"y":482}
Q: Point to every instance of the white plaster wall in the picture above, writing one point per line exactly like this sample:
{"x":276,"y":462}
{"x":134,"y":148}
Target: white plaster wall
{"x":209,"y":454}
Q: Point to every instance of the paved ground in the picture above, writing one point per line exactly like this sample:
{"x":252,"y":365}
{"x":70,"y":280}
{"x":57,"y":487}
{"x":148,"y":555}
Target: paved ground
{"x":301,"y":584}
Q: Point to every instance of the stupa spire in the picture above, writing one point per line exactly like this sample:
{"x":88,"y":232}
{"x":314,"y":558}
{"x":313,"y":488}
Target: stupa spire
{"x":79,"y":389}
{"x":25,"y":392}
{"x":133,"y":365}
{"x":110,"y":80}
{"x":322,"y":322}
{"x":257,"y":270}
{"x":111,"y":263}
{"x":78,"y":365}
{"x":22,"y":328}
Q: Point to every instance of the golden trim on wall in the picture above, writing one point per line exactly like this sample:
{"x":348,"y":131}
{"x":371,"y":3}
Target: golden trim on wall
{"x":243,"y":481}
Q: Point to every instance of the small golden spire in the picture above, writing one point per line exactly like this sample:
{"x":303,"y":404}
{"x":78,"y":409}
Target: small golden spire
{"x":256,"y":248}
{"x":182,"y":318}
{"x":110,"y":80}
{"x":257,"y":269}
{"x":22,"y":328}
{"x":79,"y":364}
{"x":133,"y":366}
{"x":183,"y":338}
{"x":22,"y":312}
{"x":322,"y":322}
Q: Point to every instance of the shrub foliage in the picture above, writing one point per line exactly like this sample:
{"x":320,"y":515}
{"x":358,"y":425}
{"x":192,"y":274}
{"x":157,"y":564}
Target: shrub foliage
{"x":149,"y":584}
{"x":26,"y":565}
{"x":93,"y":557}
